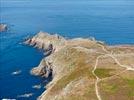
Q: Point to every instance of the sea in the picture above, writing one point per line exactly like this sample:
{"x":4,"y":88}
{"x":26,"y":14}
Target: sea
{"x":111,"y":21}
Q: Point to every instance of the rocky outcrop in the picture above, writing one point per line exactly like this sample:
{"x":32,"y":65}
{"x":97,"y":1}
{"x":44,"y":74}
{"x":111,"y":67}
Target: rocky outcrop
{"x":3,"y":27}
{"x":46,"y":41}
{"x":75,"y":64}
{"x":44,"y":69}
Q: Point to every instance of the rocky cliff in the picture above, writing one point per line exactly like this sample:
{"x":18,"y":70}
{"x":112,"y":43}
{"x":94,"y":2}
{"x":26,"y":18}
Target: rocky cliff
{"x":84,"y":69}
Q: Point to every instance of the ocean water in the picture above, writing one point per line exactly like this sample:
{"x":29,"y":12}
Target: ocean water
{"x":111,"y":21}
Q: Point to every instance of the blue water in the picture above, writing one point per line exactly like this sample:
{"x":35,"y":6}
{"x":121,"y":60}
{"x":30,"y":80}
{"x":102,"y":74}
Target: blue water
{"x":111,"y":21}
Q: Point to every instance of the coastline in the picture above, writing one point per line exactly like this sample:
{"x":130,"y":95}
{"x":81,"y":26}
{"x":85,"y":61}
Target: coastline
{"x":71,"y":63}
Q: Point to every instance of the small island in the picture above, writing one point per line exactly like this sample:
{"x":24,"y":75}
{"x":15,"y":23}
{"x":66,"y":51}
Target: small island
{"x":84,"y":68}
{"x":3,"y":27}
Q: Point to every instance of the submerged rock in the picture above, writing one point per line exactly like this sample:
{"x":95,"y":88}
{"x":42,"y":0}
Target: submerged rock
{"x":3,"y":27}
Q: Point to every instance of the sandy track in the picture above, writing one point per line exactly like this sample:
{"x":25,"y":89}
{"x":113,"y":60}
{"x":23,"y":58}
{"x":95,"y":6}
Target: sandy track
{"x":95,"y":67}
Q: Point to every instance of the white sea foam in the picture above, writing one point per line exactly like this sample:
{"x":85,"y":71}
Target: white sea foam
{"x":37,"y":86}
{"x":8,"y":99}
{"x":26,"y":95}
{"x":16,"y":72}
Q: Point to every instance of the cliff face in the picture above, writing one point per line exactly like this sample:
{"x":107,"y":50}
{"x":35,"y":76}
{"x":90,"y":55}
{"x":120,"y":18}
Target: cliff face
{"x":43,"y":41}
{"x":84,"y":69}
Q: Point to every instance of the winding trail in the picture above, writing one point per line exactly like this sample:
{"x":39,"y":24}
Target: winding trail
{"x":95,"y":67}
{"x":97,"y":78}
{"x":125,"y":66}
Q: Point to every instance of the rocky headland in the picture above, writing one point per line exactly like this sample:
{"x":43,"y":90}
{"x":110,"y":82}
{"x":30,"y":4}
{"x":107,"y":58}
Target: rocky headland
{"x":84,"y":69}
{"x":3,"y":27}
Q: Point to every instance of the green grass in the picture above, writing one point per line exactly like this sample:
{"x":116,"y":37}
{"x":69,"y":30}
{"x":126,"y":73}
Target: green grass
{"x":110,"y":88}
{"x":71,"y":77}
{"x":131,"y":93}
{"x":102,"y":73}
{"x":130,"y":83}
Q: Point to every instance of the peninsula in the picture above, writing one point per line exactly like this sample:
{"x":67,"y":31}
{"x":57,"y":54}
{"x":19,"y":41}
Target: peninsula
{"x":84,"y":69}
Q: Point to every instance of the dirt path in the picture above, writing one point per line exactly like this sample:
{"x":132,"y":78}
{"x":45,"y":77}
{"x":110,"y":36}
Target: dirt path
{"x":95,"y":67}
{"x":97,"y":78}
{"x":125,"y":66}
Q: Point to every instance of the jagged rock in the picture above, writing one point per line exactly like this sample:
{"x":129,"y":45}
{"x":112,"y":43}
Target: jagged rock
{"x":40,"y":70}
{"x":46,"y":41}
{"x":44,"y":69}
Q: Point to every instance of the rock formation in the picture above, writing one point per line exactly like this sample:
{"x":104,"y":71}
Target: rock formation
{"x":84,"y":69}
{"x":3,"y":27}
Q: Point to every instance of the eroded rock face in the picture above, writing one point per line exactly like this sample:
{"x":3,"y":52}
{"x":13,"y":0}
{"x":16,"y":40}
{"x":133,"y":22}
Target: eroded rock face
{"x":44,"y":69}
{"x":3,"y":27}
{"x":49,"y":43}
{"x":75,"y":64}
{"x":46,"y":41}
